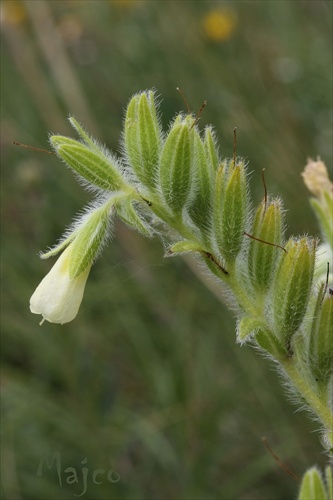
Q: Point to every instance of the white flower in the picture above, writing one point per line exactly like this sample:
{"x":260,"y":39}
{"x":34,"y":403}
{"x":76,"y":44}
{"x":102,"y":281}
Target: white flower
{"x":58,"y":297}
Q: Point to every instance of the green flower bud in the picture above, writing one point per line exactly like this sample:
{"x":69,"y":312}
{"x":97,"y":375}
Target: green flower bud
{"x":312,"y":486}
{"x":230,"y":210}
{"x":200,"y":208}
{"x":175,"y":167}
{"x":292,"y":286}
{"x":143,"y":137}
{"x":267,"y":226}
{"x":94,"y":166}
{"x":320,"y":353}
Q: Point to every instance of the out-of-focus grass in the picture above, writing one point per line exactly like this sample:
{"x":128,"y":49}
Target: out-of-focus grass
{"x":148,"y":379}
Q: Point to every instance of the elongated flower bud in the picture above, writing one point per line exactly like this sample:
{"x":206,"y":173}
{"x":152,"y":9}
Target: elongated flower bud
{"x":175,"y":167}
{"x":320,"y":347}
{"x":143,"y":137}
{"x":200,"y":207}
{"x":92,"y":165}
{"x":292,"y":286}
{"x":230,"y":210}
{"x":267,"y":227}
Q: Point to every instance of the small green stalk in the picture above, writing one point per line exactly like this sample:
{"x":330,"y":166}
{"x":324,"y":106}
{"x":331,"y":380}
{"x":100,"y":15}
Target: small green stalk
{"x":318,"y":406}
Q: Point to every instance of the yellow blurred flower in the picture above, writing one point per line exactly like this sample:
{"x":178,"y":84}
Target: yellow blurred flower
{"x":219,"y":24}
{"x":12,"y":13}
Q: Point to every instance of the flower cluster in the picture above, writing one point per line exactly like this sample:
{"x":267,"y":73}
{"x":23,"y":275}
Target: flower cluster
{"x":177,"y":184}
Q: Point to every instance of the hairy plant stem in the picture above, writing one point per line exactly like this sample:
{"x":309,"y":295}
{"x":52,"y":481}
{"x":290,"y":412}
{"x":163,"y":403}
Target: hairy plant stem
{"x":321,"y":409}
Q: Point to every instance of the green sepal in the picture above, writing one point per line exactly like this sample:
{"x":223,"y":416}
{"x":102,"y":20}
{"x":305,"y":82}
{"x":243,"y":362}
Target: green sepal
{"x":211,"y":149}
{"x":200,"y":207}
{"x":220,"y":184}
{"x":270,"y":343}
{"x":83,"y":135}
{"x":262,"y":257}
{"x":89,"y":240}
{"x":230,"y":210}
{"x":248,"y":327}
{"x":175,"y":168}
{"x":129,"y":215}
{"x":312,"y":486}
{"x":143,"y":137}
{"x":215,"y":267}
{"x":58,"y":248}
{"x":320,"y":352}
{"x":184,"y":247}
{"x":96,"y":168}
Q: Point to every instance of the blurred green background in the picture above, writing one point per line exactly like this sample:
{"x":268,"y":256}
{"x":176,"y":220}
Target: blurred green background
{"x":148,"y":381}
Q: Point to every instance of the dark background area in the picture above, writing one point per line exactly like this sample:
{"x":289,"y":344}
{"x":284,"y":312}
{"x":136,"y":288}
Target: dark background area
{"x":148,"y":379}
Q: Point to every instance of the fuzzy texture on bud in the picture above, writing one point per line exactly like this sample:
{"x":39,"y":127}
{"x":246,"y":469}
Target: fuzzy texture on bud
{"x":267,"y":226}
{"x":200,"y":208}
{"x":292,"y":286}
{"x":93,"y":166}
{"x":143,"y":137}
{"x":175,"y":167}
{"x":231,"y":209}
